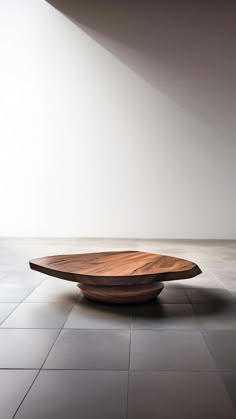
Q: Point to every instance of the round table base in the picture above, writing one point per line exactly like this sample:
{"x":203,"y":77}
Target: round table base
{"x":120,"y":294}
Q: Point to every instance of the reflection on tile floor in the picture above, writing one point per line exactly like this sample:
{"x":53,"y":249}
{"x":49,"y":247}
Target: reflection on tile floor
{"x":62,"y":356}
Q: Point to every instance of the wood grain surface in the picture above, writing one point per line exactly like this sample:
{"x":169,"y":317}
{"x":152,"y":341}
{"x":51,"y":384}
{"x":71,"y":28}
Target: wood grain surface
{"x":116,"y":268}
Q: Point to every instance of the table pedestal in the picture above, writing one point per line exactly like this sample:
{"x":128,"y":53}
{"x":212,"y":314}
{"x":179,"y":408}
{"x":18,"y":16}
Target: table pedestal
{"x":120,"y":294}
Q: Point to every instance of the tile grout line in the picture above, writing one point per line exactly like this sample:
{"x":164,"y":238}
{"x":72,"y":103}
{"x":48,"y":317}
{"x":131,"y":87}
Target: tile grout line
{"x":57,"y":337}
{"x":36,"y":375}
{"x":85,"y":329}
{"x":127,"y":401}
{"x":135,"y":328}
{"x":9,"y":313}
{"x":152,"y":371}
{"x":189,"y":299}
{"x":26,"y":394}
{"x":41,"y":366}
{"x":50,"y":350}
{"x":218,"y":371}
{"x":223,"y":285}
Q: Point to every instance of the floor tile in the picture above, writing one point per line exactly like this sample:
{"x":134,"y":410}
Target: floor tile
{"x":229,"y":379}
{"x":6,"y":309}
{"x":222,"y":345}
{"x":211,"y":295}
{"x":185,"y":395}
{"x":228,"y":256}
{"x":225,"y":274}
{"x":233,"y":294}
{"x":89,"y":315}
{"x":53,"y":282}
{"x":181,"y":339}
{"x":214,"y":264}
{"x":23,"y":278}
{"x":173,"y":296}
{"x":76,"y":394}
{"x":53,"y":295}
{"x":216,"y":317}
{"x":14,"y":385}
{"x":90,"y":349}
{"x":164,"y":316}
{"x":169,"y":351}
{"x":25,"y":348}
{"x":38,"y":315}
{"x":14,"y":293}
{"x":201,"y":281}
{"x":227,"y":278}
{"x":229,"y":284}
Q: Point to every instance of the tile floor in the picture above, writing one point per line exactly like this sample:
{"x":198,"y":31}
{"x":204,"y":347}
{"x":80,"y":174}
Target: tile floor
{"x":64,"y":357}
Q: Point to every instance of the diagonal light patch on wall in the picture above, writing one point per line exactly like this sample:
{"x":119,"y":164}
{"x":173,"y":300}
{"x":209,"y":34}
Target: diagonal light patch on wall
{"x":186,"y":53}
{"x":185,"y":50}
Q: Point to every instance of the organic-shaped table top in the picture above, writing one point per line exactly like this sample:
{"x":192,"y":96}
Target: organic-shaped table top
{"x":116,"y":268}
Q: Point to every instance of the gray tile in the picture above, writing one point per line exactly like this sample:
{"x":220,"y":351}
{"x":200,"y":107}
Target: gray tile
{"x":76,"y":394}
{"x":227,"y":278}
{"x":228,"y":258}
{"x":215,"y":264}
{"x":216,"y":317}
{"x":225,"y":274}
{"x":164,"y":316}
{"x":25,"y":348}
{"x":205,"y":280}
{"x":89,"y":315}
{"x":168,"y":395}
{"x":44,"y":294}
{"x":229,"y":284}
{"x":204,"y":295}
{"x":178,"y":284}
{"x":38,"y":315}
{"x":14,"y":385}
{"x":23,"y":278}
{"x":229,"y":379}
{"x":6,"y":309}
{"x":233,"y":294}
{"x":14,"y":293}
{"x":55,"y":283}
{"x":222,"y":345}
{"x":216,"y":258}
{"x":90,"y":349}
{"x":169,"y":351}
{"x":173,"y":296}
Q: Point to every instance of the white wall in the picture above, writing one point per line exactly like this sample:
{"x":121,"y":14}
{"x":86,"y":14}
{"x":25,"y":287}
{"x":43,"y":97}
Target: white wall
{"x":91,"y":148}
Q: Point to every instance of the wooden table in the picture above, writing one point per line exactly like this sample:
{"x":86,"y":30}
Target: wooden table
{"x":117,"y":277}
